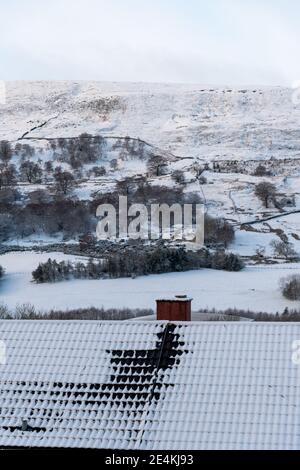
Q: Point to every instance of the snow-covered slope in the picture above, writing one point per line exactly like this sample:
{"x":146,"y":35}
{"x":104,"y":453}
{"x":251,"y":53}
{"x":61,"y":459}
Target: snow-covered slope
{"x":187,"y":120}
{"x":232,"y":130}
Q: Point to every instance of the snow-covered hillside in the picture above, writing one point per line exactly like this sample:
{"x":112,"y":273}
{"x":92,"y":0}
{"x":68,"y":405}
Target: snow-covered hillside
{"x":231,"y":130}
{"x":187,"y":120}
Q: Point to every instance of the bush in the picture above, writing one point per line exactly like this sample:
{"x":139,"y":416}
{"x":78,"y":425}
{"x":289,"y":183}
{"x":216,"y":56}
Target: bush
{"x":98,"y":171}
{"x":227,"y":262}
{"x":178,"y":177}
{"x":261,"y":171}
{"x":290,"y":287}
{"x":218,"y":231}
{"x":8,"y":196}
{"x":1,"y":272}
{"x":202,"y":180}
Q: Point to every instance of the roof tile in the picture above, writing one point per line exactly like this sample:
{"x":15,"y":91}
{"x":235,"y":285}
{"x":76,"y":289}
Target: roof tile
{"x":137,"y":385}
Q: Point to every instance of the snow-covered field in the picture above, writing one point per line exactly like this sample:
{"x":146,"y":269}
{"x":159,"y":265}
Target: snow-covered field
{"x":255,"y":288}
{"x":189,"y":125}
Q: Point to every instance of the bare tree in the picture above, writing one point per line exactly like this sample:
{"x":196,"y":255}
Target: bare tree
{"x":284,"y":250}
{"x":290,"y":287}
{"x":5,"y":151}
{"x":261,"y":170}
{"x":31,"y":172}
{"x":25,"y":150}
{"x":8,"y":175}
{"x":64,"y":181}
{"x":266,"y":192}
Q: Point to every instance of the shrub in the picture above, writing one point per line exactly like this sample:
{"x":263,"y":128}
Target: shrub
{"x":178,"y":177}
{"x":227,"y":261}
{"x":9,"y":196}
{"x":202,"y":180}
{"x":98,"y":171}
{"x":290,"y":287}
{"x":24,"y":150}
{"x":261,"y":171}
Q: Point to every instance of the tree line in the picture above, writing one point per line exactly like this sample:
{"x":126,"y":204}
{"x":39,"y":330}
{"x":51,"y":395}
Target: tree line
{"x":75,"y":152}
{"x":42,"y":212}
{"x":29,"y":312}
{"x":157,"y":261}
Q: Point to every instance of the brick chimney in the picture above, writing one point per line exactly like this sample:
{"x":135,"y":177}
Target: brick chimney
{"x":177,"y":308}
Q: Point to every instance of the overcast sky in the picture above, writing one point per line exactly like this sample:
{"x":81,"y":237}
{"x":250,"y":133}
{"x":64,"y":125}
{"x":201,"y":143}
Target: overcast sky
{"x":231,"y":42}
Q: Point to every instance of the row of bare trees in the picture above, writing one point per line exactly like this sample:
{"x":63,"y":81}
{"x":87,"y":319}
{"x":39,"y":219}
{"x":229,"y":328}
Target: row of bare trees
{"x":32,"y":173}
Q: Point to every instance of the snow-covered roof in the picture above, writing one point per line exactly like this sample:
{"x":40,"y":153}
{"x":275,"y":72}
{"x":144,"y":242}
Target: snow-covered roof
{"x":149,"y":385}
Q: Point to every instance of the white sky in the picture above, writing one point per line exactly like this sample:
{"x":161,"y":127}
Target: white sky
{"x":199,"y":41}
